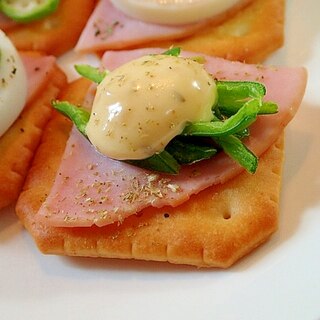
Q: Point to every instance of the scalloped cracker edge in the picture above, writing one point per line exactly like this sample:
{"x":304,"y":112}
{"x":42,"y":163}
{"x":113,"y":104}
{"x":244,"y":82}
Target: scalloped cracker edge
{"x":19,"y":143}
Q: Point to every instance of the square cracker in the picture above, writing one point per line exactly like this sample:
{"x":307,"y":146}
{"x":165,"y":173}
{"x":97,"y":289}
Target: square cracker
{"x":250,"y":35}
{"x":18,"y":144}
{"x":213,"y":229}
{"x":58,"y":32}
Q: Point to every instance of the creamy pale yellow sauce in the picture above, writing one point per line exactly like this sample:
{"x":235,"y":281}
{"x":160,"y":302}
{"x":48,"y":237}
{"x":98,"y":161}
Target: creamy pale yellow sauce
{"x":142,"y":105}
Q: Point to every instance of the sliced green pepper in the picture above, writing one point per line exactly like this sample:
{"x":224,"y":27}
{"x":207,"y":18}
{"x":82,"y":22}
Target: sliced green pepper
{"x":232,"y":91}
{"x":161,"y":162}
{"x":79,"y":116}
{"x":188,"y":152}
{"x":174,"y":51}
{"x":232,"y":95}
{"x":239,"y":121}
{"x":91,"y":73}
{"x":28,"y":10}
{"x":238,"y":151}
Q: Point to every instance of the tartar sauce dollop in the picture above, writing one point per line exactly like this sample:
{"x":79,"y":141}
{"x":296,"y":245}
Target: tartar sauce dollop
{"x":142,"y":105}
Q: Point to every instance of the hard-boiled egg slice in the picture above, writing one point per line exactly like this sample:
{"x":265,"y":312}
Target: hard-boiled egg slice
{"x":13,"y":84}
{"x":173,"y":11}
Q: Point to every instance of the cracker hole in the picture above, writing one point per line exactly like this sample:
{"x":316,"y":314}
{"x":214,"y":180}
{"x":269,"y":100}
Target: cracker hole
{"x":139,"y":214}
{"x":227,"y":215}
{"x":166,"y":215}
{"x":276,"y":171}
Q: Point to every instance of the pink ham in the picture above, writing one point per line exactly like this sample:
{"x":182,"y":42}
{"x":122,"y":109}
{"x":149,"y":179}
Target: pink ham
{"x":38,"y":70}
{"x":93,"y":189}
{"x":108,"y":28}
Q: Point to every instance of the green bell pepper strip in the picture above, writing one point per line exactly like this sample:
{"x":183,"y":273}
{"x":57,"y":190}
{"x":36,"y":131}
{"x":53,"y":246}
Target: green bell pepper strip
{"x":27,"y":11}
{"x":161,"y":162}
{"x":79,"y":116}
{"x":243,"y":133}
{"x":241,"y":120}
{"x":266,"y":108}
{"x":186,"y":152}
{"x":175,"y":51}
{"x":232,"y":95}
{"x":231,"y":91}
{"x":236,"y":150}
{"x":91,"y":73}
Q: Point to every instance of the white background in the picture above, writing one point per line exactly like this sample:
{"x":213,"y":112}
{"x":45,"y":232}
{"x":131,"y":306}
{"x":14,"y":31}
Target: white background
{"x":280,"y":280}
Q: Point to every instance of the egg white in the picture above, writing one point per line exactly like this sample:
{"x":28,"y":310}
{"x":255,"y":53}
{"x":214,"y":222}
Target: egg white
{"x":13,"y":83}
{"x":173,"y":12}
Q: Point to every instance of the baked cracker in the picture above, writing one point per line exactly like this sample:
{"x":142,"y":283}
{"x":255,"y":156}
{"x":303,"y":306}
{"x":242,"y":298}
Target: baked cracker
{"x":213,"y":229}
{"x":250,"y":35}
{"x":18,"y":144}
{"x":58,"y":32}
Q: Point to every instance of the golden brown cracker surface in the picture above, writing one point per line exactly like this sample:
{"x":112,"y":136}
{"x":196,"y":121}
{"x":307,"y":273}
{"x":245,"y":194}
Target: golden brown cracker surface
{"x":18,"y":144}
{"x":213,"y":229}
{"x":250,"y":35}
{"x":56,"y":33}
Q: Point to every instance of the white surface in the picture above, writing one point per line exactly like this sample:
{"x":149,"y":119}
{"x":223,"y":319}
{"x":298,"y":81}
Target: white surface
{"x":280,"y":280}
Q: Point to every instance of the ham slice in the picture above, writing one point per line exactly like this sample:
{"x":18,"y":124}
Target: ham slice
{"x":38,"y":69}
{"x":92,"y":189}
{"x":109,"y":28}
